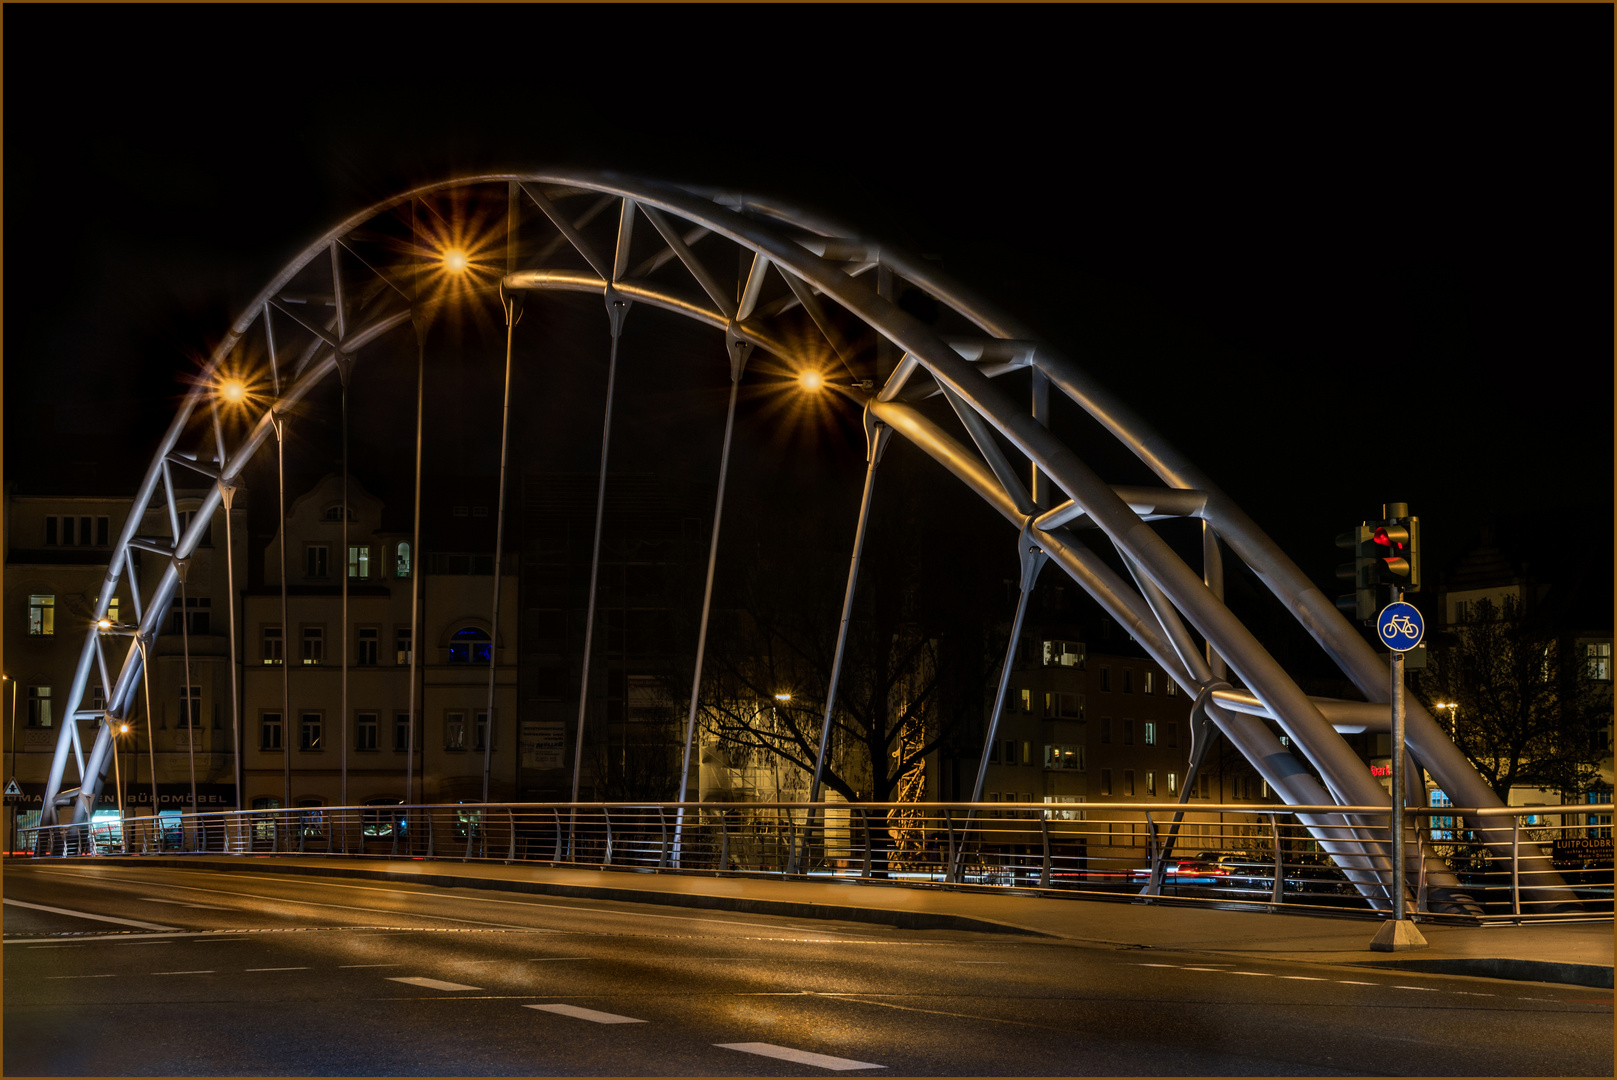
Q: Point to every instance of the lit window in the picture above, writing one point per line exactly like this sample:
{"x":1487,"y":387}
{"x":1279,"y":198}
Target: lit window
{"x":401,"y":563}
{"x":1027,"y":701}
{"x":274,"y":654}
{"x":1173,"y":783}
{"x":359,"y":561}
{"x":1150,"y":783}
{"x":455,"y":731}
{"x":1150,"y":733}
{"x":1149,"y":680}
{"x":314,"y":645}
{"x":469,"y":646}
{"x":401,"y":639}
{"x":39,"y":706}
{"x":1170,"y":688}
{"x":1599,"y":656}
{"x":41,"y":615}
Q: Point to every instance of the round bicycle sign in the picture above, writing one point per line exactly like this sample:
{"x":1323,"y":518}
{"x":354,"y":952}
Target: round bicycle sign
{"x":1400,"y":626}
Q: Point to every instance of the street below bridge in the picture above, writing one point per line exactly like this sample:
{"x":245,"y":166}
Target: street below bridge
{"x":153,"y":970}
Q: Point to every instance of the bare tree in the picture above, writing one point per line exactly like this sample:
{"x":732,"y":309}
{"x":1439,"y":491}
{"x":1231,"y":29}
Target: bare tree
{"x":1525,"y":708}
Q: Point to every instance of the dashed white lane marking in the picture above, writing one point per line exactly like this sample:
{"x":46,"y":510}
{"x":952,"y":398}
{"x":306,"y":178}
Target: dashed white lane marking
{"x":88,"y":915}
{"x":1007,"y":961}
{"x":547,"y":959}
{"x":80,"y":976}
{"x":201,"y":971}
{"x":430,"y":984}
{"x":800,"y":1057}
{"x":1431,"y":989}
{"x":277,"y":969}
{"x":340,"y":966}
{"x":586,"y":1014}
{"x":1263,"y":974}
{"x":1355,"y":982}
{"x":1203,"y":969}
{"x":180,"y":903}
{"x":1304,"y":978}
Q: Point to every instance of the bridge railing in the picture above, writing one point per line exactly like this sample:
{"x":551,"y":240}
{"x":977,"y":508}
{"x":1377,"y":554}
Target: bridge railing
{"x":1499,"y":864}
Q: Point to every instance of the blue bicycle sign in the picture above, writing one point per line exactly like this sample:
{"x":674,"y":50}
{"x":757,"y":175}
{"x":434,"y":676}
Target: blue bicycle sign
{"x":1400,"y":626}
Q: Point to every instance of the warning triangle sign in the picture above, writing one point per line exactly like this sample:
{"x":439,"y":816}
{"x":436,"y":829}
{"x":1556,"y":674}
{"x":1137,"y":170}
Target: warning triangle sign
{"x":12,"y":787}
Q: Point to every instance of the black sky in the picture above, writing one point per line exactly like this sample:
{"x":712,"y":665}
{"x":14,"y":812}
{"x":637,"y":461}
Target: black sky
{"x":1343,"y":255}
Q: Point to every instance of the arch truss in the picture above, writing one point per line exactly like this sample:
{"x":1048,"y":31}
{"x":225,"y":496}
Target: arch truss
{"x":633,"y":240}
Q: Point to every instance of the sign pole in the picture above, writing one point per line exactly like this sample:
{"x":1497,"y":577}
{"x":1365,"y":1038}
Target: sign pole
{"x":1399,"y":625}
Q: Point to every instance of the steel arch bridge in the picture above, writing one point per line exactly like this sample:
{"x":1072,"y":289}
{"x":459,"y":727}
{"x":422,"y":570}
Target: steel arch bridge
{"x":634,"y":240}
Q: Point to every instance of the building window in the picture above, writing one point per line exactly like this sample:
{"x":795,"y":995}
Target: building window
{"x":1599,"y":656}
{"x":1106,"y":781}
{"x":195,"y":617}
{"x":98,"y":699}
{"x":112,"y":609}
{"x":269,"y":731}
{"x":365,"y":731}
{"x":1128,"y":733}
{"x":1010,"y":751}
{"x":101,"y":531}
{"x":67,"y":531}
{"x":1064,"y":757}
{"x":50,"y":531}
{"x":1064,"y":706}
{"x":401,"y":561}
{"x":401,"y":646}
{"x":1128,"y":781}
{"x":1064,"y":653}
{"x":482,"y":730}
{"x":1128,"y":680}
{"x":41,"y":615}
{"x":469,"y":646}
{"x":314,"y":645}
{"x":1027,"y":754}
{"x":365,"y":654}
{"x":274,"y":654}
{"x":1148,"y":681}
{"x":401,"y":731}
{"x":993,"y":752}
{"x":1173,"y":783}
{"x":190,"y":707}
{"x":359,"y":562}
{"x":314,"y":560}
{"x":1150,"y":783}
{"x":1170,"y":688}
{"x":39,"y":706}
{"x":1106,"y":731}
{"x":1150,"y":733}
{"x":1172,"y":733}
{"x":310,"y":731}
{"x":1105,"y":677}
{"x":455,"y":731}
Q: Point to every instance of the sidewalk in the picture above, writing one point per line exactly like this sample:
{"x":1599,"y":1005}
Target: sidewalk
{"x":1577,"y":953}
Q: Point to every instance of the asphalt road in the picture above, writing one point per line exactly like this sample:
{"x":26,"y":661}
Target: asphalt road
{"x":222,"y":973}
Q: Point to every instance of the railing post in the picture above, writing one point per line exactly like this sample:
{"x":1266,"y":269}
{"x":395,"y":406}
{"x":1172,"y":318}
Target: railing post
{"x":556,"y":854}
{"x":1278,"y":893}
{"x":724,"y":840}
{"x":1044,"y":828}
{"x":951,"y":875}
{"x":1153,"y":887}
{"x":606,"y":817}
{"x":1515,"y":867}
{"x":864,"y":816}
{"x":432,"y":840}
{"x":511,"y":849}
{"x":662,"y":823}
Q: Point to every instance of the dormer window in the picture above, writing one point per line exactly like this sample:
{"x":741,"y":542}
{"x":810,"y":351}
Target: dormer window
{"x":470,"y":646}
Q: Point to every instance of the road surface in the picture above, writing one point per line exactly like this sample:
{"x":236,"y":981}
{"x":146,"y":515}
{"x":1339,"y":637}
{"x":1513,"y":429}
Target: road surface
{"x":152,"y":971}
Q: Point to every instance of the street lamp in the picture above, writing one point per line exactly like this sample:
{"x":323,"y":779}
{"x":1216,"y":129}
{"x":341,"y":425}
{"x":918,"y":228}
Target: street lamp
{"x":811,"y":380}
{"x":455,"y":261}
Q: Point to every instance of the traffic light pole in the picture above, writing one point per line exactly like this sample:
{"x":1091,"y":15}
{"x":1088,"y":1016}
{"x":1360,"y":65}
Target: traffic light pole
{"x":1399,"y":934}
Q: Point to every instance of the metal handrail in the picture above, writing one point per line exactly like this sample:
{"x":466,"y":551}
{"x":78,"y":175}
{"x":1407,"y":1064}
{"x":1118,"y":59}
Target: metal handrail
{"x":1257,"y":855}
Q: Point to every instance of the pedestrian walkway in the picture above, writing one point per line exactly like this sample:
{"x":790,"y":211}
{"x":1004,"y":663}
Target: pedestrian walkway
{"x":1577,"y":952}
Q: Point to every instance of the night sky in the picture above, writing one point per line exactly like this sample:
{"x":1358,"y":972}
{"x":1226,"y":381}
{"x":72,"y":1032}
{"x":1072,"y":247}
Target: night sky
{"x":1342,"y":255}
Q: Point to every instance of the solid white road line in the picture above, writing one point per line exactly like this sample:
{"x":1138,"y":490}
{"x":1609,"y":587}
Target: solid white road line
{"x":430,"y":984}
{"x":87,"y":915}
{"x":586,"y":1014}
{"x":800,"y":1057}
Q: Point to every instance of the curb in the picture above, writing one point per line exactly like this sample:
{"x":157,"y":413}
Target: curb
{"x":903,"y":920}
{"x":1501,"y":967}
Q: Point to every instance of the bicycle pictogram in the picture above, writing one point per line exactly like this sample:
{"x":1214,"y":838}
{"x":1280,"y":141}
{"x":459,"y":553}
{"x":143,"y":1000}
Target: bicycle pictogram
{"x":1400,"y":626}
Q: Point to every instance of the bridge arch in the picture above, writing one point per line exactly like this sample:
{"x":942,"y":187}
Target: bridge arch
{"x":581,"y":232}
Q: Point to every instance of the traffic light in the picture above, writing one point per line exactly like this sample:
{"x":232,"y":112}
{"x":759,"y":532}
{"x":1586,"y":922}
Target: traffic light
{"x":1359,"y":604}
{"x":1386,"y":560}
